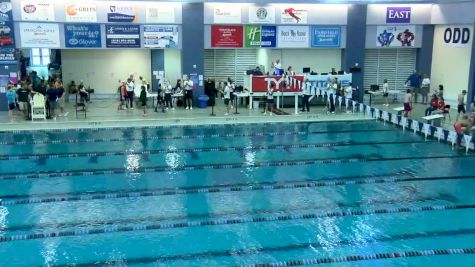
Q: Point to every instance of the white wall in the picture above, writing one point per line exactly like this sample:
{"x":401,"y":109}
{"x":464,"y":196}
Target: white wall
{"x":263,"y":58}
{"x":319,"y":60}
{"x":102,"y":69}
{"x":450,"y":64}
{"x":172,"y":62}
{"x":455,"y":13}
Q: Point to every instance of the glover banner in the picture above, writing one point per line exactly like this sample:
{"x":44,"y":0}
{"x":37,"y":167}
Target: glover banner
{"x":260,"y":36}
{"x":82,"y":35}
{"x":293,"y":36}
{"x":226,"y":36}
{"x":262,"y":15}
{"x":395,"y":36}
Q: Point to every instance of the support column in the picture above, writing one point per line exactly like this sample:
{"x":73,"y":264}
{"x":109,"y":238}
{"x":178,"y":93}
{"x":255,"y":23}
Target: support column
{"x":471,"y":76}
{"x":193,"y":42}
{"x":424,"y":54}
{"x":158,"y":64}
{"x":355,"y":45}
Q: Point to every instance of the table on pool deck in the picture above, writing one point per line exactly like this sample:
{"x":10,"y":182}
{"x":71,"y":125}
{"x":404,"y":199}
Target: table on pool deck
{"x":434,"y":119}
{"x":279,"y":95}
{"x":154,"y":95}
{"x":377,"y":93}
{"x":399,"y":110}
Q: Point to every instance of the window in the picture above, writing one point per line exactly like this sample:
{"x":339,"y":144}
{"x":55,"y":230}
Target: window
{"x":39,"y":57}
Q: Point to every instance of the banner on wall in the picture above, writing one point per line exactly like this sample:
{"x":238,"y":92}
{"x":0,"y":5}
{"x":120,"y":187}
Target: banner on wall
{"x":396,"y":36}
{"x":294,"y":15}
{"x":293,"y":36}
{"x":227,"y":14}
{"x":326,"y":36}
{"x":6,"y":11}
{"x":260,"y":36}
{"x":321,"y":81}
{"x":156,"y":36}
{"x":121,"y":13}
{"x":81,"y":12}
{"x":37,"y":10}
{"x":122,"y":36}
{"x":398,"y":14}
{"x":39,"y":35}
{"x":8,"y":56}
{"x":82,"y":35}
{"x":261,"y":15}
{"x":226,"y":36}
{"x":155,"y":13}
{"x":457,"y":36}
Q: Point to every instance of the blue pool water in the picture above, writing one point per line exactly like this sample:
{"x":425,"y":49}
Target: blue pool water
{"x":254,"y":195}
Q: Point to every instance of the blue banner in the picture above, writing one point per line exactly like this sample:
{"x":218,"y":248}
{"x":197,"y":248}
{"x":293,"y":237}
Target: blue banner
{"x":122,"y":36}
{"x":7,"y":37}
{"x":8,"y":56}
{"x":82,"y":35}
{"x":268,"y":36}
{"x":326,"y":36}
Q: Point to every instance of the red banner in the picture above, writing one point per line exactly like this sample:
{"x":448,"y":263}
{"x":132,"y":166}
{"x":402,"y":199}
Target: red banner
{"x":282,"y":84}
{"x":226,"y":36}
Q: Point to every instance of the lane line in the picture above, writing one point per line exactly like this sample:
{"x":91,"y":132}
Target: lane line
{"x":228,"y":221}
{"x":339,"y":160}
{"x":197,"y":136}
{"x":198,"y":150}
{"x":118,"y":194}
{"x":259,"y":250}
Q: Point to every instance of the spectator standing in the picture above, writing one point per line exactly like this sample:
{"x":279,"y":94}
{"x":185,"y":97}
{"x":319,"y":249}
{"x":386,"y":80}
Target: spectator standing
{"x":188,"y":86}
{"x":122,"y":96}
{"x":130,"y":93}
{"x":52,"y":96}
{"x":408,"y":103}
{"x":11,"y":100}
{"x":386,"y":92}
{"x":23,"y":99}
{"x":414,"y":82}
{"x":143,"y":99}
{"x":227,"y":97}
{"x":270,"y":99}
{"x":307,"y":92}
{"x":425,"y":89}
{"x":461,"y":104}
{"x":61,"y":97}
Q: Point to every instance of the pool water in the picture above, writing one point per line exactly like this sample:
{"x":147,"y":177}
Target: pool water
{"x":334,"y":193}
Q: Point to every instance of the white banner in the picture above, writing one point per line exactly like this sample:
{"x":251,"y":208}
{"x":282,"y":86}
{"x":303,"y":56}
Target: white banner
{"x":155,"y":36}
{"x":396,"y":36}
{"x":261,"y":15}
{"x":39,"y":35}
{"x":458,"y":36}
{"x":293,"y":36}
{"x":81,"y":12}
{"x":159,"y":13}
{"x":37,"y":10}
{"x":227,"y":14}
{"x":293,"y":14}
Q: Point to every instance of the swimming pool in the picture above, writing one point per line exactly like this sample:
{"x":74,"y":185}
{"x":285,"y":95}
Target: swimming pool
{"x":339,"y":193}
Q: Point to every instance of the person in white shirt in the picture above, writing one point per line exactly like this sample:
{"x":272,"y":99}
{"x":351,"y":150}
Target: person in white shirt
{"x":425,"y":88}
{"x":130,"y":93}
{"x":349,"y":95}
{"x":386,"y":92}
{"x":227,"y":97}
{"x":168,"y":95}
{"x":269,"y":99}
{"x":307,"y":92}
{"x":188,"y":86}
{"x":290,"y":71}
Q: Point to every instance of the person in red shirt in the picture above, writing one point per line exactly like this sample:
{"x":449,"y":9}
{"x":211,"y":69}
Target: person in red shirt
{"x":434,"y":104}
{"x":440,"y":107}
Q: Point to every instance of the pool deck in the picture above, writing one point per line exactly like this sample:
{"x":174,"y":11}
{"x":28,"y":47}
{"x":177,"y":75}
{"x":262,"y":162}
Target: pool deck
{"x":103,"y":113}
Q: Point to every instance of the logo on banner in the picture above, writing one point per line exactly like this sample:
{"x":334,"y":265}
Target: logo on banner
{"x":261,"y":15}
{"x":39,"y":35}
{"x":125,"y":13}
{"x":82,"y":35}
{"x":160,"y":14}
{"x":29,"y":9}
{"x":260,"y":36}
{"x":457,"y":36}
{"x":40,"y":10}
{"x":226,"y":36}
{"x":122,"y":36}
{"x":292,"y":16}
{"x":326,"y":37}
{"x":395,"y":36}
{"x":83,"y":13}
{"x":155,"y":36}
{"x":293,"y":36}
{"x":227,"y":14}
{"x":398,"y":15}
{"x":5,"y":11}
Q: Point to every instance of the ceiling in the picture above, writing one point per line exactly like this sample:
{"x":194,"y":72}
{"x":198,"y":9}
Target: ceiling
{"x":316,"y":1}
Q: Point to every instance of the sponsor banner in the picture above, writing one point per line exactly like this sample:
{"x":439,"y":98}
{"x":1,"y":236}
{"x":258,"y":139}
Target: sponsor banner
{"x":39,"y":35}
{"x":227,"y":14}
{"x":226,"y":36}
{"x":82,"y":35}
{"x":122,"y":36}
{"x":457,"y":36}
{"x":121,"y":13}
{"x":6,"y":11}
{"x":260,"y":36}
{"x":321,"y":81}
{"x":260,"y":84}
{"x":293,"y":36}
{"x":81,"y":12}
{"x":37,"y":10}
{"x":398,"y":14}
{"x":294,"y":15}
{"x":396,"y":36}
{"x":156,"y":36}
{"x":8,"y":56}
{"x":261,"y":15}
{"x":156,"y":13}
{"x":326,"y":36}
{"x":7,"y":35}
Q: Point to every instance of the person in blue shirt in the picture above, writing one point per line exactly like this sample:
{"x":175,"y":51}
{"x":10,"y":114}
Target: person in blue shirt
{"x":414,"y":81}
{"x":11,"y":100}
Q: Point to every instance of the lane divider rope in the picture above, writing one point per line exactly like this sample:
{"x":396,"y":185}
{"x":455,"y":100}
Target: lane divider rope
{"x":227,"y":221}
